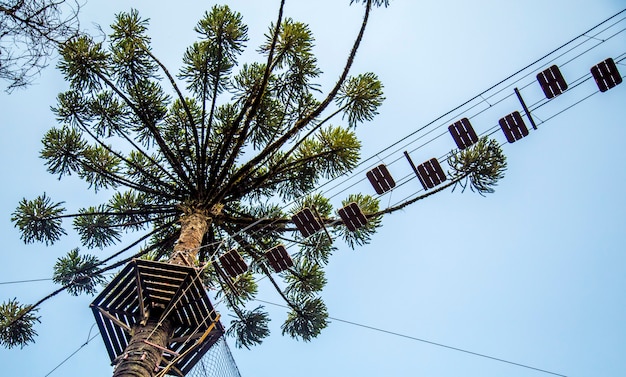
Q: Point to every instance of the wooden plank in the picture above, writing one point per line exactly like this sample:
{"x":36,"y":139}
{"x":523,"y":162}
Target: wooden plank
{"x":162,"y":278}
{"x":106,"y":293}
{"x":175,"y":298}
{"x":423,"y":171}
{"x":103,"y":332}
{"x":182,"y":339}
{"x":140,"y":299}
{"x":381,"y":179}
{"x":117,"y":292}
{"x":157,"y":296}
{"x":552,"y":82}
{"x":463,"y":133}
{"x":606,"y":75}
{"x":181,"y":314}
{"x":306,"y":222}
{"x":121,"y":293}
{"x":160,"y":287}
{"x":198,"y":311}
{"x":159,"y":268}
{"x":438,"y":171}
{"x":430,"y":173}
{"x":122,"y":336}
{"x":233,"y":263}
{"x":163,"y":275}
{"x":117,"y":344}
{"x":352,"y":216}
{"x":199,"y":302}
{"x":278,"y":258}
{"x":513,"y":127}
{"x":116,"y":321}
{"x":128,"y":301}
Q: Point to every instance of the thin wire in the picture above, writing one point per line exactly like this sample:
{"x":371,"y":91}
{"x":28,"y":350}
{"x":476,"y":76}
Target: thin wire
{"x":447,"y":121}
{"x":35,"y":280}
{"x":428,"y":342}
{"x":89,"y":339}
{"x":23,"y":281}
{"x":492,"y":87}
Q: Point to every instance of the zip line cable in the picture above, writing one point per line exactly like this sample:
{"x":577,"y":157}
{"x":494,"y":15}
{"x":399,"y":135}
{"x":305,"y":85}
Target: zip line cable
{"x":426,"y":341}
{"x":24,"y":281}
{"x":495,"y":86}
{"x":89,"y":339}
{"x":485,"y":100}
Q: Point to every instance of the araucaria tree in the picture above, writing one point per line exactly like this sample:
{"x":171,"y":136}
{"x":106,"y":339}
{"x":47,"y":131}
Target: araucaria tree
{"x":205,"y":161}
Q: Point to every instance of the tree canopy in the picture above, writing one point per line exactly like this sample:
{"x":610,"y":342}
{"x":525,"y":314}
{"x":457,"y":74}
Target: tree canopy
{"x":243,"y":145}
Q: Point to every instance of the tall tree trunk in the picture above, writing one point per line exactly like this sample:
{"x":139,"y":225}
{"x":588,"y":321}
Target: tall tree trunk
{"x":144,"y":352}
{"x":193,"y":228}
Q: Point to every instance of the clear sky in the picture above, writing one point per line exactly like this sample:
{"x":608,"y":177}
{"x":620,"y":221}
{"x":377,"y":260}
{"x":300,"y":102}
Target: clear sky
{"x":534,"y":273}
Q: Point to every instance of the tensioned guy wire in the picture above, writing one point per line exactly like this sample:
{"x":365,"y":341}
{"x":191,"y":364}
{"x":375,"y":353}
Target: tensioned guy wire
{"x":427,"y":341}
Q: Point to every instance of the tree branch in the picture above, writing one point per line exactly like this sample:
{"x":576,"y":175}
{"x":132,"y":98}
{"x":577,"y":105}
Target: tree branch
{"x":250,"y":107}
{"x":300,"y":124}
{"x":167,"y":152}
{"x":192,"y":123}
{"x":115,"y":265}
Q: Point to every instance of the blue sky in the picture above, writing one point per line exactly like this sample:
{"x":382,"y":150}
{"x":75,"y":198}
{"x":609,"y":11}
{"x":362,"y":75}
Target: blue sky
{"x":534,"y":273}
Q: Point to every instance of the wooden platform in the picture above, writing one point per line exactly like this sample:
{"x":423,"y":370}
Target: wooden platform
{"x":174,"y":290}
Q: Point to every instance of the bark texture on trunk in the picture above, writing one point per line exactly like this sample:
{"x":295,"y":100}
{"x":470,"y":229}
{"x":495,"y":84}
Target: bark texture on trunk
{"x":141,"y":359}
{"x":193,"y":228}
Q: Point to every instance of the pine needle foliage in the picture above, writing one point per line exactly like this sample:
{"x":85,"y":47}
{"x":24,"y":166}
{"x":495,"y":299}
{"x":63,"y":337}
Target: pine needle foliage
{"x":249,"y":328}
{"x":480,"y":166}
{"x":307,"y":319}
{"x":39,"y":220}
{"x":78,"y":272}
{"x":16,"y":324}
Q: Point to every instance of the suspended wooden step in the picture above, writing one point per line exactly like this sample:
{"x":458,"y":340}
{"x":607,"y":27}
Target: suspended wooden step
{"x":279,"y":258}
{"x":233,"y":263}
{"x":381,"y":179}
{"x":306,"y":222}
{"x":352,"y":216}
{"x":513,"y":127}
{"x":176,"y":291}
{"x":429,"y":173}
{"x":606,"y":75}
{"x":552,"y":82}
{"x":463,"y":133}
